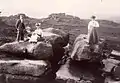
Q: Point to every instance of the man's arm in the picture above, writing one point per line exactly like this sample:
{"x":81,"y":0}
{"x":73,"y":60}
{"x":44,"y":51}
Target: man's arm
{"x":89,"y":25}
{"x":17,"y":24}
{"x":97,"y":24}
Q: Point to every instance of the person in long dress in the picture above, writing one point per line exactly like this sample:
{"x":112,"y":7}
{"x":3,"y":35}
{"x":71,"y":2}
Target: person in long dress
{"x":92,"y":32}
{"x":38,"y":33}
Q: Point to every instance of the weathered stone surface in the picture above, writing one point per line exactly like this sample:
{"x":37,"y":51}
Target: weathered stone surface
{"x":40,"y":50}
{"x":109,"y":80}
{"x":82,"y":50}
{"x":75,"y":71}
{"x":53,"y":38}
{"x":65,"y":36}
{"x":109,"y":64}
{"x":24,"y":67}
{"x":9,"y":78}
{"x":112,"y":67}
{"x":115,"y":54}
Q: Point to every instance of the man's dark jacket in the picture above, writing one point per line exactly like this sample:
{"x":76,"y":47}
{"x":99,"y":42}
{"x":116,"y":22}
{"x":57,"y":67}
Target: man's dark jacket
{"x":19,"y":25}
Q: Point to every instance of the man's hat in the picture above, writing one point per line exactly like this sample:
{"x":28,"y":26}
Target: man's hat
{"x":93,"y":17}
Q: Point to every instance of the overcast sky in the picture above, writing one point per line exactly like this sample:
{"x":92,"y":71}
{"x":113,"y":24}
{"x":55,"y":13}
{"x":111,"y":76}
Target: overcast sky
{"x":42,"y":8}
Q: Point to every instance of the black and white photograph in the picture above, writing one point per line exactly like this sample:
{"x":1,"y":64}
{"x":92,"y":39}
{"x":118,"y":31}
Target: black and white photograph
{"x":59,"y":41}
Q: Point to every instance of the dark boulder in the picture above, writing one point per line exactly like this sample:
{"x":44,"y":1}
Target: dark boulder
{"x":53,"y":38}
{"x":64,"y":36}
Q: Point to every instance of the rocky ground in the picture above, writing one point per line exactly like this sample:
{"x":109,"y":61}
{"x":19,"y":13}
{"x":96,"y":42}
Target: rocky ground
{"x":71,"y":71}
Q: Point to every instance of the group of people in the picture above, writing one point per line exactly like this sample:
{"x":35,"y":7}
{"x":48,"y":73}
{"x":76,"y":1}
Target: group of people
{"x":21,"y":30}
{"x":92,"y":31}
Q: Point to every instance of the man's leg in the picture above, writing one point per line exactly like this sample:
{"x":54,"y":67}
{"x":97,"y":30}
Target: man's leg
{"x":22,"y":36}
{"x":18,"y":36}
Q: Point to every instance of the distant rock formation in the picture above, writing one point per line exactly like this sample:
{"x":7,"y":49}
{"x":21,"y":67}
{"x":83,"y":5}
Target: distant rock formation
{"x":62,"y":17}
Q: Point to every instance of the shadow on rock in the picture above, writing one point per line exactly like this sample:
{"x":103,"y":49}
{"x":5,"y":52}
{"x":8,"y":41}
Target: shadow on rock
{"x":86,"y":70}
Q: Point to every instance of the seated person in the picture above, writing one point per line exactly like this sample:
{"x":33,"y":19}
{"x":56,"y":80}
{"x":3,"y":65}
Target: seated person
{"x":36,"y":34}
{"x":28,"y":33}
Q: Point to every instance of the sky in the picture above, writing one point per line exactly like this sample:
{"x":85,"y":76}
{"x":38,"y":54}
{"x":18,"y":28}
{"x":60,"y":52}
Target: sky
{"x":80,"y":8}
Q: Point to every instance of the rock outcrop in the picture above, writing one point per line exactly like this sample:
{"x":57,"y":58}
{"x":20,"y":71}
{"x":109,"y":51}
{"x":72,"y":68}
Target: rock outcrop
{"x":62,"y":39}
{"x":53,"y":41}
{"x":83,"y":51}
{"x":45,"y":55}
{"x":41,"y":50}
{"x":24,"y":67}
{"x":25,"y":71}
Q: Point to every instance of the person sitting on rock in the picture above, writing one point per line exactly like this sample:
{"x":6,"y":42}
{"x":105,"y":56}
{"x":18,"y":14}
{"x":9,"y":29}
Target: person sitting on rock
{"x":92,"y":32}
{"x":37,"y":34}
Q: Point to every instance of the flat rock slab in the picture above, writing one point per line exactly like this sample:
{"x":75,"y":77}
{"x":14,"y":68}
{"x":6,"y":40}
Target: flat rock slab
{"x":24,"y":67}
{"x":109,"y":64}
{"x":115,"y":54}
{"x":8,"y":78}
{"x":40,"y":50}
{"x":109,"y":80}
{"x":71,"y":71}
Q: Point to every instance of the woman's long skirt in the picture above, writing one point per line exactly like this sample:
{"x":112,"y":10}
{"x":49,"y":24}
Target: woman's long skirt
{"x":93,"y":36}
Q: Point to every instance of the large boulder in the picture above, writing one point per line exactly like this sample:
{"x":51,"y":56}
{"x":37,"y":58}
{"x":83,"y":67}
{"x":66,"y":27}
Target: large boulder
{"x":112,"y":68}
{"x":24,"y":67}
{"x":83,"y":51}
{"x":39,"y":51}
{"x":9,"y":78}
{"x":64,"y":36}
{"x":25,"y":71}
{"x":53,"y":38}
{"x":80,"y":72}
{"x":109,"y":64}
{"x":75,"y":71}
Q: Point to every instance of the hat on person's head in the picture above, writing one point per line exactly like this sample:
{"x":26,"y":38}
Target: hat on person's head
{"x":21,"y":16}
{"x":93,"y":17}
{"x":38,"y":24}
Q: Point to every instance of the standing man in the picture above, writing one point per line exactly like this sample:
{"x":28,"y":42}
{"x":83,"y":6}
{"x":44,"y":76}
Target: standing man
{"x":92,"y":32}
{"x":20,"y":29}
